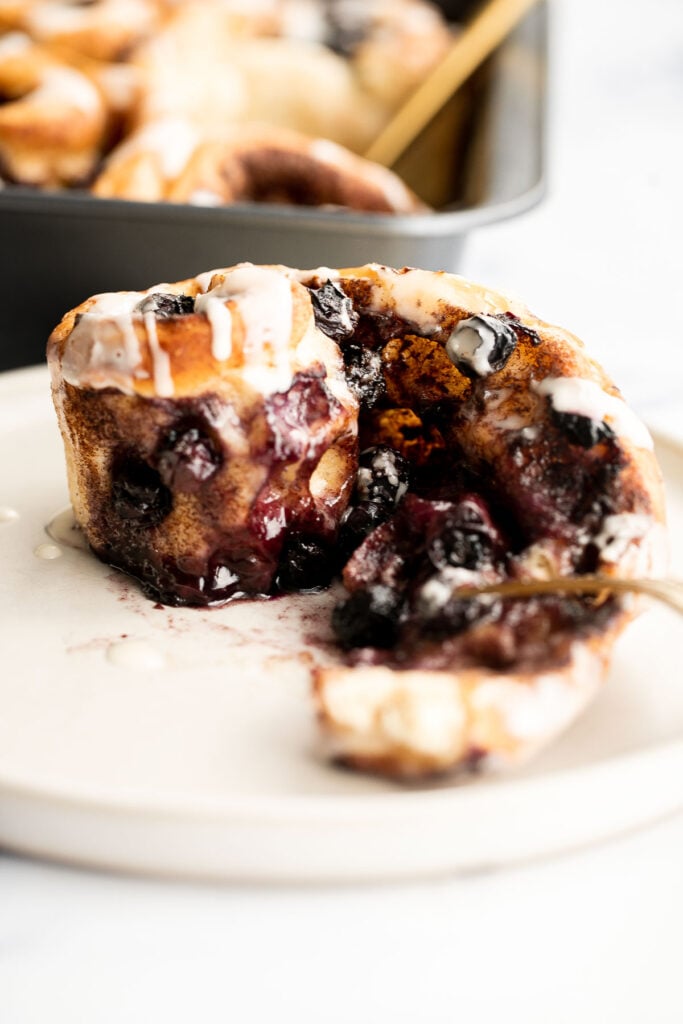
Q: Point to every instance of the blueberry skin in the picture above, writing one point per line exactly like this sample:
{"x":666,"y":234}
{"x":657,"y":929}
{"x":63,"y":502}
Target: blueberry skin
{"x":464,"y":541}
{"x":306,"y":563}
{"x":504,"y":343}
{"x":139,"y":495}
{"x":187,"y":457}
{"x":364,"y":375}
{"x":368,"y":618}
{"x":582,"y":430}
{"x":383,"y":476}
{"x":333,"y":311}
{"x":165,"y":306}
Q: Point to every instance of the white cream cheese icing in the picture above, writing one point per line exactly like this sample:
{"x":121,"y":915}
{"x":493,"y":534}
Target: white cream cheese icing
{"x":262,"y":296}
{"x":635,"y":542}
{"x":220,"y":318}
{"x":14,"y":43}
{"x":161,"y":363}
{"x":424,"y":297}
{"x":586,"y":398}
{"x":69,"y":87}
{"x":103,"y":349}
{"x":171,"y":139}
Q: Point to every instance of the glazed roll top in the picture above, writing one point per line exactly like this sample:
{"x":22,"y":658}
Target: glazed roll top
{"x":205,"y":422}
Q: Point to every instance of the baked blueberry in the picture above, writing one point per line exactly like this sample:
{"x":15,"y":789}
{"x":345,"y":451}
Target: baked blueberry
{"x":139,"y":495}
{"x":465,"y":539}
{"x":368,"y":618}
{"x":293,"y":415}
{"x":306,"y":563}
{"x":333,"y":311}
{"x":381,"y":483}
{"x":363,"y":371}
{"x":187,"y":457}
{"x":383,"y":476}
{"x":481,"y":345}
{"x":582,"y":430}
{"x":164,"y":305}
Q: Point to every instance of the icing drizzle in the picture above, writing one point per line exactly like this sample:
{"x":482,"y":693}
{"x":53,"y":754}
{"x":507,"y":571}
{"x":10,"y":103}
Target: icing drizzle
{"x":262,"y":297}
{"x":587,"y":398}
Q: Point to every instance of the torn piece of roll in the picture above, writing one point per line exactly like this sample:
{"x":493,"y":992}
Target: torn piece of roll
{"x":255,"y":430}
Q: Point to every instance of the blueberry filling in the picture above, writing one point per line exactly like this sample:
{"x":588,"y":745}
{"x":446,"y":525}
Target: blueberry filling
{"x":521,"y":329}
{"x":164,"y":306}
{"x":382,"y":481}
{"x":368,"y":618}
{"x":139,"y":495}
{"x":187,"y":457}
{"x":333,"y":311}
{"x":292,"y":416}
{"x":413,"y":557}
{"x":306,"y":563}
{"x":466,"y":539}
{"x":481,"y":345}
{"x":582,"y":430}
{"x":363,"y":371}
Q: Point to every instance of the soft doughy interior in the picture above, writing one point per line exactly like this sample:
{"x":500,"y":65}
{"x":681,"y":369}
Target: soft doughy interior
{"x":492,"y":447}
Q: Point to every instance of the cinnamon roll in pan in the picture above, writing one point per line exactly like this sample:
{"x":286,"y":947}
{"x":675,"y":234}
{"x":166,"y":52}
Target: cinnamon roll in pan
{"x":251,"y":163}
{"x":53,"y":119}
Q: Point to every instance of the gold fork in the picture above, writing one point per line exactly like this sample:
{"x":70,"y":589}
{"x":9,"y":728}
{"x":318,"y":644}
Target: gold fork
{"x":668,"y":591}
{"x":489,"y":27}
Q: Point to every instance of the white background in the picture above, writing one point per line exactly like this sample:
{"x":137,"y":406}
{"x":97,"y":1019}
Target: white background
{"x":594,"y":937}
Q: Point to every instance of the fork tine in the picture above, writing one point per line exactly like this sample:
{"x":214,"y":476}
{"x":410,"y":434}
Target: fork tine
{"x":668,"y":591}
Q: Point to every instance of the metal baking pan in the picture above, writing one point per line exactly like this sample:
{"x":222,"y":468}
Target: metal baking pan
{"x":57,"y":249}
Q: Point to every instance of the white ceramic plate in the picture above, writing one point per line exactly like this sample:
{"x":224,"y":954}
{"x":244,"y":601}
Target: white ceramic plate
{"x":182,"y":741}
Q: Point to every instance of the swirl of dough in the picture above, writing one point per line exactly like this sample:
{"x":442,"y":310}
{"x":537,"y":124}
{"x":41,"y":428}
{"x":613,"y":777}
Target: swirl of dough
{"x":53,"y":119}
{"x":106,"y":30}
{"x":259,"y":163}
{"x":168,"y":159}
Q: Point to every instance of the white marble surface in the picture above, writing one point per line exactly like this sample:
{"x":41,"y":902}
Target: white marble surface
{"x":593,"y":937}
